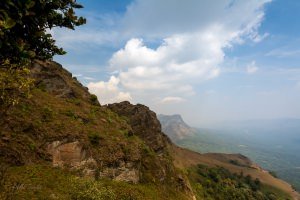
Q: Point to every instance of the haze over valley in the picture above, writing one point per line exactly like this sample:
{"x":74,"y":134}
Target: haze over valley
{"x":273,"y":144}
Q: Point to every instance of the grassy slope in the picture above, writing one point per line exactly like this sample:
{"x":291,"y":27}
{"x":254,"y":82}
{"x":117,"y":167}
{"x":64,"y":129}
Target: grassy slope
{"x":45,"y":182}
{"x":46,"y":117}
{"x":185,"y":158}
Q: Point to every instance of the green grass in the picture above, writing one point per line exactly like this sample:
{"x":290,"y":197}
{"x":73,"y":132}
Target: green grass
{"x":44,"y":182}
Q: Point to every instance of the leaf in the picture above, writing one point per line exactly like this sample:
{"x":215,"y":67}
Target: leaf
{"x":9,"y":23}
{"x":31,"y":54}
{"x":29,"y":4}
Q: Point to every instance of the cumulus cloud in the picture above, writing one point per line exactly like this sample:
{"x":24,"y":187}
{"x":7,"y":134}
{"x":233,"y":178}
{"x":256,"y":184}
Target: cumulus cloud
{"x":143,"y":68}
{"x":252,"y":68}
{"x":190,"y":39}
{"x":172,"y":100}
{"x":194,"y":35}
{"x":109,"y":92}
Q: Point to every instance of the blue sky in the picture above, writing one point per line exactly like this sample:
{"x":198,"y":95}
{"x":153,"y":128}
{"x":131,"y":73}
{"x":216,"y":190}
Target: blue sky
{"x":207,"y":60}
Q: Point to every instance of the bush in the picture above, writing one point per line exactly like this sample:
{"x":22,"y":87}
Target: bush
{"x":94,"y":138}
{"x":219,"y":183}
{"x":90,"y":190}
{"x":94,"y":99}
{"x":47,"y":114}
{"x":15,"y":83}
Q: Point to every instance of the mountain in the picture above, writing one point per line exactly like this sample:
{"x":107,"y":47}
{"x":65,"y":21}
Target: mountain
{"x":60,"y":143}
{"x":258,"y":139}
{"x":174,"y":127}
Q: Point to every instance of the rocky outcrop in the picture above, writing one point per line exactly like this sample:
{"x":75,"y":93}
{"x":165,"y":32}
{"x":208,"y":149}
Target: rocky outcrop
{"x":53,"y":78}
{"x":175,"y":127}
{"x":72,"y":155}
{"x":144,"y":124}
{"x":156,"y":162}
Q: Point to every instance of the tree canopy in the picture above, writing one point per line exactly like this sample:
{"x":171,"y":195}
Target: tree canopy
{"x":24,"y":36}
{"x":25,"y":25}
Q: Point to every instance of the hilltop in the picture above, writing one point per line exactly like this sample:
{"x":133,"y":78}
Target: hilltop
{"x":62,"y":144}
{"x":175,"y":127}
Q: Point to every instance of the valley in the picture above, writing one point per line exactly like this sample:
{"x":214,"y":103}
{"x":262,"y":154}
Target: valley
{"x":273,"y":144}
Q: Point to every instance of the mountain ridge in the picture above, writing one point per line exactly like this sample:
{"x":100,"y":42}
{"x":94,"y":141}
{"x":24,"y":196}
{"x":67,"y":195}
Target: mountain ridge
{"x":62,"y":131}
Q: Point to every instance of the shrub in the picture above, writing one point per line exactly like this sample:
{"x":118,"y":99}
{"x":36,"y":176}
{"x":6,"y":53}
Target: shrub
{"x":47,"y":114}
{"x":94,"y":138}
{"x":94,"y":99}
{"x":90,"y":190}
{"x":71,"y":113}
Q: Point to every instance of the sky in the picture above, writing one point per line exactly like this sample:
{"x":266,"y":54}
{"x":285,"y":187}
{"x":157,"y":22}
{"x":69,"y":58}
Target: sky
{"x":208,"y":60}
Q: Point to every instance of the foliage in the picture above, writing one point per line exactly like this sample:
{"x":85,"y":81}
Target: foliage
{"x":90,"y":190}
{"x":25,"y":36}
{"x":8,"y":190}
{"x":94,"y":99}
{"x":219,"y":183}
{"x":24,"y":28}
{"x":45,"y":182}
{"x":14,"y":83}
{"x":94,"y":138}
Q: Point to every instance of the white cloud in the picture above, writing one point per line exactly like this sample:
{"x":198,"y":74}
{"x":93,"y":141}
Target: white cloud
{"x":109,"y":92}
{"x":159,"y":18}
{"x":172,"y":100}
{"x":252,"y":68}
{"x":143,"y":68}
{"x":194,"y":35}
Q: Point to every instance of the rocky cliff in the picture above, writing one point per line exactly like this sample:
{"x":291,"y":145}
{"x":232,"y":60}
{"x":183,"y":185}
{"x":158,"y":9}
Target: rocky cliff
{"x":175,"y":127}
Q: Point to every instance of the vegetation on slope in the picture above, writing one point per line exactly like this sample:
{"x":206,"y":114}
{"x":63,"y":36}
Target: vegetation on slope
{"x":45,"y":182}
{"x":61,"y":109}
{"x":219,"y":183}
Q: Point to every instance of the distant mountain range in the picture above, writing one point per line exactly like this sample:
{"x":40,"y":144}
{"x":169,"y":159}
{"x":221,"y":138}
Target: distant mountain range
{"x":273,"y":144}
{"x":175,"y":127}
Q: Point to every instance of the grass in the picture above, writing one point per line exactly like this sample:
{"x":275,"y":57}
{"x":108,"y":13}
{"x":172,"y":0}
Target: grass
{"x":44,"y":182}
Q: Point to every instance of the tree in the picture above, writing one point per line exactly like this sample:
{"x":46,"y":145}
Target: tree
{"x":24,"y":36}
{"x":24,"y":26}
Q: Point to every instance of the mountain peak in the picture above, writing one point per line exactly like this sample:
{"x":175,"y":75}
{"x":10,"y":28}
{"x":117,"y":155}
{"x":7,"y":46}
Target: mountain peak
{"x":174,"y":126}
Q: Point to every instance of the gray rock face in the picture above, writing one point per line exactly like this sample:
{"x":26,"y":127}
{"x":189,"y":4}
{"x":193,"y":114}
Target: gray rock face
{"x":53,"y":78}
{"x":144,"y":124}
{"x":73,"y":156}
{"x":175,"y":127}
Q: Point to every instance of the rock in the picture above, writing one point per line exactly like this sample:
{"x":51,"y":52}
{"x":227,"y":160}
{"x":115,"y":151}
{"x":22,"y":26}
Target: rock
{"x":144,"y":124}
{"x":53,"y":78}
{"x":131,"y":176}
{"x":72,"y":155}
{"x":175,"y":127}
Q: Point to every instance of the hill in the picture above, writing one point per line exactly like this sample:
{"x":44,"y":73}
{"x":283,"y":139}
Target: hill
{"x":204,"y":140}
{"x":62,"y":144}
{"x":174,"y":127}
